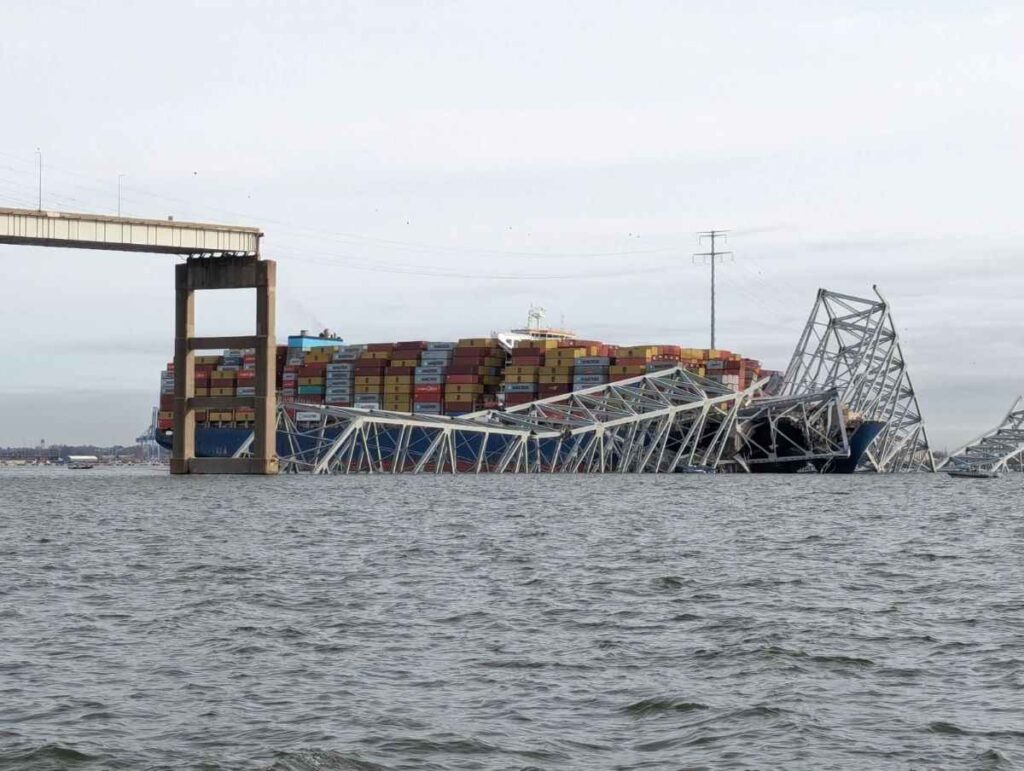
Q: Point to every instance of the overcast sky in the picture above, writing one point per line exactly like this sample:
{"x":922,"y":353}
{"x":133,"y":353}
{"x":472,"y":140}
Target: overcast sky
{"x":429,"y":170}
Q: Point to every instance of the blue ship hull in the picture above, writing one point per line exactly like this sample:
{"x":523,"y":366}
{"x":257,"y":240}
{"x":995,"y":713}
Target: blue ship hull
{"x":224,"y":443}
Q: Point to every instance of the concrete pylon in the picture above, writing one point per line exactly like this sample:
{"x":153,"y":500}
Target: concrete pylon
{"x":243,"y":272}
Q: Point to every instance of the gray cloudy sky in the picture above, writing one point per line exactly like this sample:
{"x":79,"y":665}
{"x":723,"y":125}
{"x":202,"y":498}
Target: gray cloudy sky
{"x":428,"y":170}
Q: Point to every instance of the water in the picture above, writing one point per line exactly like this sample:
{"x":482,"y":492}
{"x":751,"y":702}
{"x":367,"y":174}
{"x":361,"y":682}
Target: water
{"x":149,"y":622}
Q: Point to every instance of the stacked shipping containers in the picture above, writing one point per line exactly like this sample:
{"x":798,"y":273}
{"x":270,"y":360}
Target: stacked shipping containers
{"x":522,"y":374}
{"x":400,"y":375}
{"x":339,"y":386}
{"x":473,"y":377}
{"x":369,"y":376}
{"x":441,"y":377}
{"x":429,"y":378}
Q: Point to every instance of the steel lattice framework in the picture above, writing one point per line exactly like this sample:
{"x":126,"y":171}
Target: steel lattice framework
{"x":994,"y":450}
{"x":850,"y":344}
{"x":786,"y":429}
{"x":661,"y":422}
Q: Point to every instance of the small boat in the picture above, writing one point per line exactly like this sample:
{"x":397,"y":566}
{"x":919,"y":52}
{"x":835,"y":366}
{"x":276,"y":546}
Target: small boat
{"x":973,"y":473}
{"x":82,"y":461}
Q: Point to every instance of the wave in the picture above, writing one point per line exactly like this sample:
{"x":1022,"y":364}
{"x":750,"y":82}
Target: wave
{"x":646,"y":707}
{"x":49,"y":757}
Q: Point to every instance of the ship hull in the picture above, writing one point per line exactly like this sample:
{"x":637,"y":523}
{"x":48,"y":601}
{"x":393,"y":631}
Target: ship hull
{"x":216,"y":442}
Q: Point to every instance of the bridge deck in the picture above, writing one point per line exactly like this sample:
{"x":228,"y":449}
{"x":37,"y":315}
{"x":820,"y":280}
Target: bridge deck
{"x":29,"y":227}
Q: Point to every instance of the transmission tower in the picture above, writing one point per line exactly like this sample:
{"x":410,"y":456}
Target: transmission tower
{"x":712,"y":257}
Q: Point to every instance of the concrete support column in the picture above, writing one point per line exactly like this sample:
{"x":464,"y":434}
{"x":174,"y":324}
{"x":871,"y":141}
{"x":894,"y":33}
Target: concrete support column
{"x":265,"y":440}
{"x":225,"y":273}
{"x":184,"y":440}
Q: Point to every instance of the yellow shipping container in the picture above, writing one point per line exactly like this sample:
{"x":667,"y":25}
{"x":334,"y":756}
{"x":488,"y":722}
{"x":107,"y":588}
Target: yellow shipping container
{"x":631,"y":370}
{"x":369,"y":380}
{"x":636,"y":352}
{"x":166,"y":415}
{"x":521,"y":378}
{"x":553,"y":370}
{"x":464,"y":388}
{"x":405,"y":362}
{"x":475,"y":342}
{"x":376,"y":354}
{"x":398,"y":379}
{"x":569,"y":353}
{"x":311,"y":381}
{"x":545,"y":344}
{"x":553,"y":379}
{"x":492,"y":380}
{"x":222,"y":391}
{"x":315,"y":357}
{"x":398,"y":388}
{"x":202,"y":391}
{"x":369,"y":388}
{"x":208,"y":359}
{"x":223,"y":375}
{"x":521,"y":370}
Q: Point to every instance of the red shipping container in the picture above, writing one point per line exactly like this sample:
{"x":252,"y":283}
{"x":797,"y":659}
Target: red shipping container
{"x":398,"y":371}
{"x":369,"y":371}
{"x":316,"y":369}
{"x":418,"y":345}
{"x":427,"y":389}
{"x":164,"y":424}
{"x":380,"y":347}
{"x":166,"y":402}
{"x":512,"y":400}
{"x":635,"y":362}
{"x":405,"y":353}
{"x":461,"y":378}
{"x":527,"y":361}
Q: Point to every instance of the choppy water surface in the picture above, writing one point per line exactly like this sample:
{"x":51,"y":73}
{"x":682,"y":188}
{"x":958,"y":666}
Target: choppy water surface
{"x":149,"y":622}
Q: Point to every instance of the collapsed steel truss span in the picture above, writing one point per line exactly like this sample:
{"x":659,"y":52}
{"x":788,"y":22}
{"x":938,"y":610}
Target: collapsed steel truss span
{"x":996,"y":450}
{"x":850,"y":344}
{"x":846,"y":403}
{"x":662,"y":422}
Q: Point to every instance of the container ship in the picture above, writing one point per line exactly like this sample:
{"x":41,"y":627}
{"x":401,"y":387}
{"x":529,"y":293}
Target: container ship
{"x":433,"y":378}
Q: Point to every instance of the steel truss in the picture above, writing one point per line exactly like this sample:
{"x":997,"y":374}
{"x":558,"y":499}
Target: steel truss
{"x":996,"y":450}
{"x":661,"y":422}
{"x":850,"y":344}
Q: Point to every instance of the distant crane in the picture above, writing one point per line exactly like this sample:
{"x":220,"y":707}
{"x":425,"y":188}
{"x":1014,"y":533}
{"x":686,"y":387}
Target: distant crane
{"x":149,"y":450}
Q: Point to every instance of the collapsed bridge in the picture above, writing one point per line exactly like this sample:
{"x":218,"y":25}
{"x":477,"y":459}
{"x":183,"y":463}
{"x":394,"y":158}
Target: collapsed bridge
{"x":846,"y":404}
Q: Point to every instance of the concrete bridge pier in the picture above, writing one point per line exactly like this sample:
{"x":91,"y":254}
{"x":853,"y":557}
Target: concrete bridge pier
{"x":229,"y":272}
